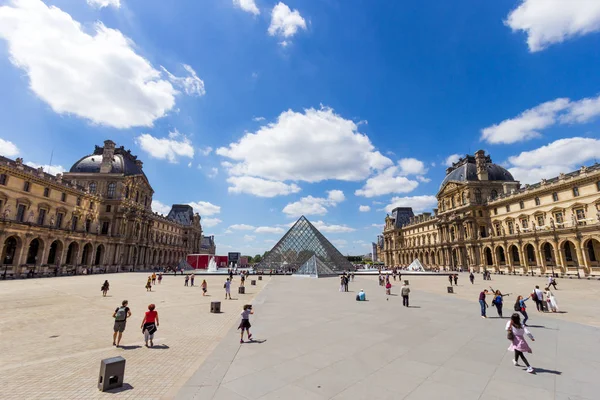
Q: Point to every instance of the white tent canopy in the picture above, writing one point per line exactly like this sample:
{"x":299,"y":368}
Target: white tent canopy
{"x":416,"y":266}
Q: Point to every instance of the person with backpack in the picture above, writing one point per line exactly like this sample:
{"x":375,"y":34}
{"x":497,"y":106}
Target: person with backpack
{"x":521,"y":307}
{"x":120,"y":315}
{"x":518,"y":344}
{"x":538,"y":297}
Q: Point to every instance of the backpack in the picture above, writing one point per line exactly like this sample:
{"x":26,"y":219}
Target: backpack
{"x":121,"y":314}
{"x":517,"y":306}
{"x":534,"y":296}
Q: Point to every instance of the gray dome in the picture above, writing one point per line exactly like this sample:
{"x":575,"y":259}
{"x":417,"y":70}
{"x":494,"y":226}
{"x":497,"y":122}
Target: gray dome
{"x":120,"y":165}
{"x":468,"y":172}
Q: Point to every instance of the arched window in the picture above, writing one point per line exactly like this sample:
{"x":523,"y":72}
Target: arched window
{"x":537,"y":201}
{"x":464,"y":198}
{"x":494,"y":194}
{"x":126,"y":192}
{"x":93,"y":187}
{"x":110,"y":193}
{"x":478,"y":199}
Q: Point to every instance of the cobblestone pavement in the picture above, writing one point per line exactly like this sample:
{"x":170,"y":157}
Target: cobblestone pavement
{"x":55,"y":331}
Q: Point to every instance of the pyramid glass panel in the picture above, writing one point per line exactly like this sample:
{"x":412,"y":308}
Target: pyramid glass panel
{"x":299,"y":244}
{"x":315,"y":267}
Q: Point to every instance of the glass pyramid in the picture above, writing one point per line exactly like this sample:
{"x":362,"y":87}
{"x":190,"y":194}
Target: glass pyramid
{"x":302,"y":242}
{"x":315,"y":268}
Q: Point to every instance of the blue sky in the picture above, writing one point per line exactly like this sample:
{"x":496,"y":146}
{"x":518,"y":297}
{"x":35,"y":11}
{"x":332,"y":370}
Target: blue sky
{"x":258,"y":111}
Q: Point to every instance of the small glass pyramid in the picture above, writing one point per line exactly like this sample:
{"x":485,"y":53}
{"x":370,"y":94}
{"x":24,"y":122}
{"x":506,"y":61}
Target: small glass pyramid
{"x":301,"y":243}
{"x":315,"y":268}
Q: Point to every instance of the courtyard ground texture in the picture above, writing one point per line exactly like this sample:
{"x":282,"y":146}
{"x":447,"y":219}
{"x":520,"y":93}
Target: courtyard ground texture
{"x":315,"y":343}
{"x":55,"y":331}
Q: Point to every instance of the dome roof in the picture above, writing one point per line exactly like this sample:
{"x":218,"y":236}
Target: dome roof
{"x":467,"y":171}
{"x":121,"y":164}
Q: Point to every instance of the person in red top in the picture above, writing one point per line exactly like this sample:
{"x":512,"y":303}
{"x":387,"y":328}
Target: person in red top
{"x":149,"y":324}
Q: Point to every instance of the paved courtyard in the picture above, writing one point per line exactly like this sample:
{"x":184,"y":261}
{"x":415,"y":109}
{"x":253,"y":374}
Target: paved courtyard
{"x":313,"y":342}
{"x":55,"y":331}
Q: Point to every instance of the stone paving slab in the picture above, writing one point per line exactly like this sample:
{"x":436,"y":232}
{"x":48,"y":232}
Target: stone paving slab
{"x":318,"y":343}
{"x":55,"y":331}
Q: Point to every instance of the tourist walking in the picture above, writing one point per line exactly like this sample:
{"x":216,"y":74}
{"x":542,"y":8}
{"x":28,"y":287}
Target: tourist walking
{"x":204,"y":287}
{"x":483,"y":303}
{"x":450,"y":279}
{"x":150,"y":324}
{"x":552,"y":282}
{"x":149,"y":284}
{"x":245,"y":322}
{"x":104,"y":288}
{"x":456,"y":279}
{"x":120,"y":315}
{"x":242,"y":280}
{"x":538,"y":297}
{"x":516,"y":332}
{"x":192,"y":277}
{"x":154,"y":278}
{"x":353,"y":277}
{"x":187,"y":280}
{"x":405,"y":291}
{"x":551,"y":301}
{"x":160,"y":276}
{"x":388,"y":288}
{"x":342,"y":283}
{"x":227,"y":287}
{"x":521,"y":307}
{"x":471,"y":277}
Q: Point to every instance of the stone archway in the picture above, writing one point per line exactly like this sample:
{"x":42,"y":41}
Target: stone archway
{"x":514,"y":255}
{"x":55,"y":252}
{"x":34,"y":252}
{"x":592,"y":251}
{"x":99,"y":255}
{"x":489,"y":260}
{"x":569,"y":254}
{"x":530,"y":255}
{"x":86,"y":255}
{"x":72,"y":251}
{"x":500,"y":256}
{"x":10,"y":250}
{"x":548,"y":254}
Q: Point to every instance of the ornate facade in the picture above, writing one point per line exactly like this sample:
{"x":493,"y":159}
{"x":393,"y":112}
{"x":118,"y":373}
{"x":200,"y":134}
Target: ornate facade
{"x":487,"y":220}
{"x":96,"y":215}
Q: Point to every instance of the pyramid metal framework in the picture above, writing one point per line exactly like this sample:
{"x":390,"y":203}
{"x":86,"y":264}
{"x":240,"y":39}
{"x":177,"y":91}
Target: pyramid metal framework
{"x":299,"y":244}
{"x":415,"y":266}
{"x":314,"y":267}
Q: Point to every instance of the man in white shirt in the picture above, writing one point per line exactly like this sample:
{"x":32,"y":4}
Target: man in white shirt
{"x":539,"y":301}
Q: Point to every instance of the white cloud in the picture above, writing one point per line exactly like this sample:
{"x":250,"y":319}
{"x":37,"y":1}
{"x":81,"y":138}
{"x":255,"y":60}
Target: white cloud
{"x":423,"y":179}
{"x":285,"y":22}
{"x":377,"y":225}
{"x":49,"y":169}
{"x":285,"y":43}
{"x":8,"y":149}
{"x":249,"y":238}
{"x":324,"y":227}
{"x":269,"y":241}
{"x":312,"y":146}
{"x":96,"y":76}
{"x":160,"y":208}
{"x":553,"y":21}
{"x":418,"y":203}
{"x":190,"y":164}
{"x":260,"y":187}
{"x":452,"y":158}
{"x":339,"y":242}
{"x":242,"y":227}
{"x":204,"y":208}
{"x":247,"y":5}
{"x":205,"y":150}
{"x":528,"y":124}
{"x":314,"y":205}
{"x":364,"y":208}
{"x":258,"y":119}
{"x":269,"y":229}
{"x":563,"y":155}
{"x":104,"y":3}
{"x":210,"y":222}
{"x":411,"y":166}
{"x":191,"y":84}
{"x":176,"y":145}
{"x":389,"y":181}
{"x":213,"y":172}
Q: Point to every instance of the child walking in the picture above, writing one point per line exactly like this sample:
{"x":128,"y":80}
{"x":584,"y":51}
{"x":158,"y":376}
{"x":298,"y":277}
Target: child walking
{"x":516,"y":332}
{"x":245,"y":323}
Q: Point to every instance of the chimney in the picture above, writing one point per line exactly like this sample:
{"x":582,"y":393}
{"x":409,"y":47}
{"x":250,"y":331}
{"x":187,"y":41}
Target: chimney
{"x":482,"y":173}
{"x":107,"y":157}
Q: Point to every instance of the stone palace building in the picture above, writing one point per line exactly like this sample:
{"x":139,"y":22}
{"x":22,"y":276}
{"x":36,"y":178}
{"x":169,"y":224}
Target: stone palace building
{"x":98,"y":215}
{"x":486,"y":220}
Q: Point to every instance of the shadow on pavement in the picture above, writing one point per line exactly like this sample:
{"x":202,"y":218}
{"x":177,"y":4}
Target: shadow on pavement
{"x":547,"y":371}
{"x":133,"y":347}
{"x":159,"y":347}
{"x":126,"y":386}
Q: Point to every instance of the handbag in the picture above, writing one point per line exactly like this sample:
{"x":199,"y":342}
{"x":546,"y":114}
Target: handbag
{"x":510,"y":335}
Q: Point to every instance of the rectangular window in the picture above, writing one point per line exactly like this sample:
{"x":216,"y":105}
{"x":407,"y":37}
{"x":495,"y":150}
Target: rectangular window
{"x":88,"y":225}
{"x":41,"y":217}
{"x":78,"y":201}
{"x":580,"y":213}
{"x":74,"y":221}
{"x":105,"y":227}
{"x":522,"y":204}
{"x":540,"y":220}
{"x":495,"y":211}
{"x":558,"y":217}
{"x":555,"y":196}
{"x":21,"y":213}
{"x":537,"y":201}
{"x":575,"y":191}
{"x":597,"y":184}
{"x":507,"y":208}
{"x":511,"y":228}
{"x":26,"y":186}
{"x":63,"y":197}
{"x":4,"y":179}
{"x":478,"y":197}
{"x":525,"y":223}
{"x":46,"y":192}
{"x":110,"y":193}
{"x":108,"y":208}
{"x":59,"y":220}
{"x":91,"y":205}
{"x":1,"y":203}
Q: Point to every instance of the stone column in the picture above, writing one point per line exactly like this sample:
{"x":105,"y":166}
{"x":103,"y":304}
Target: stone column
{"x":558,"y":259}
{"x":540,"y":260}
{"x":581,"y":257}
